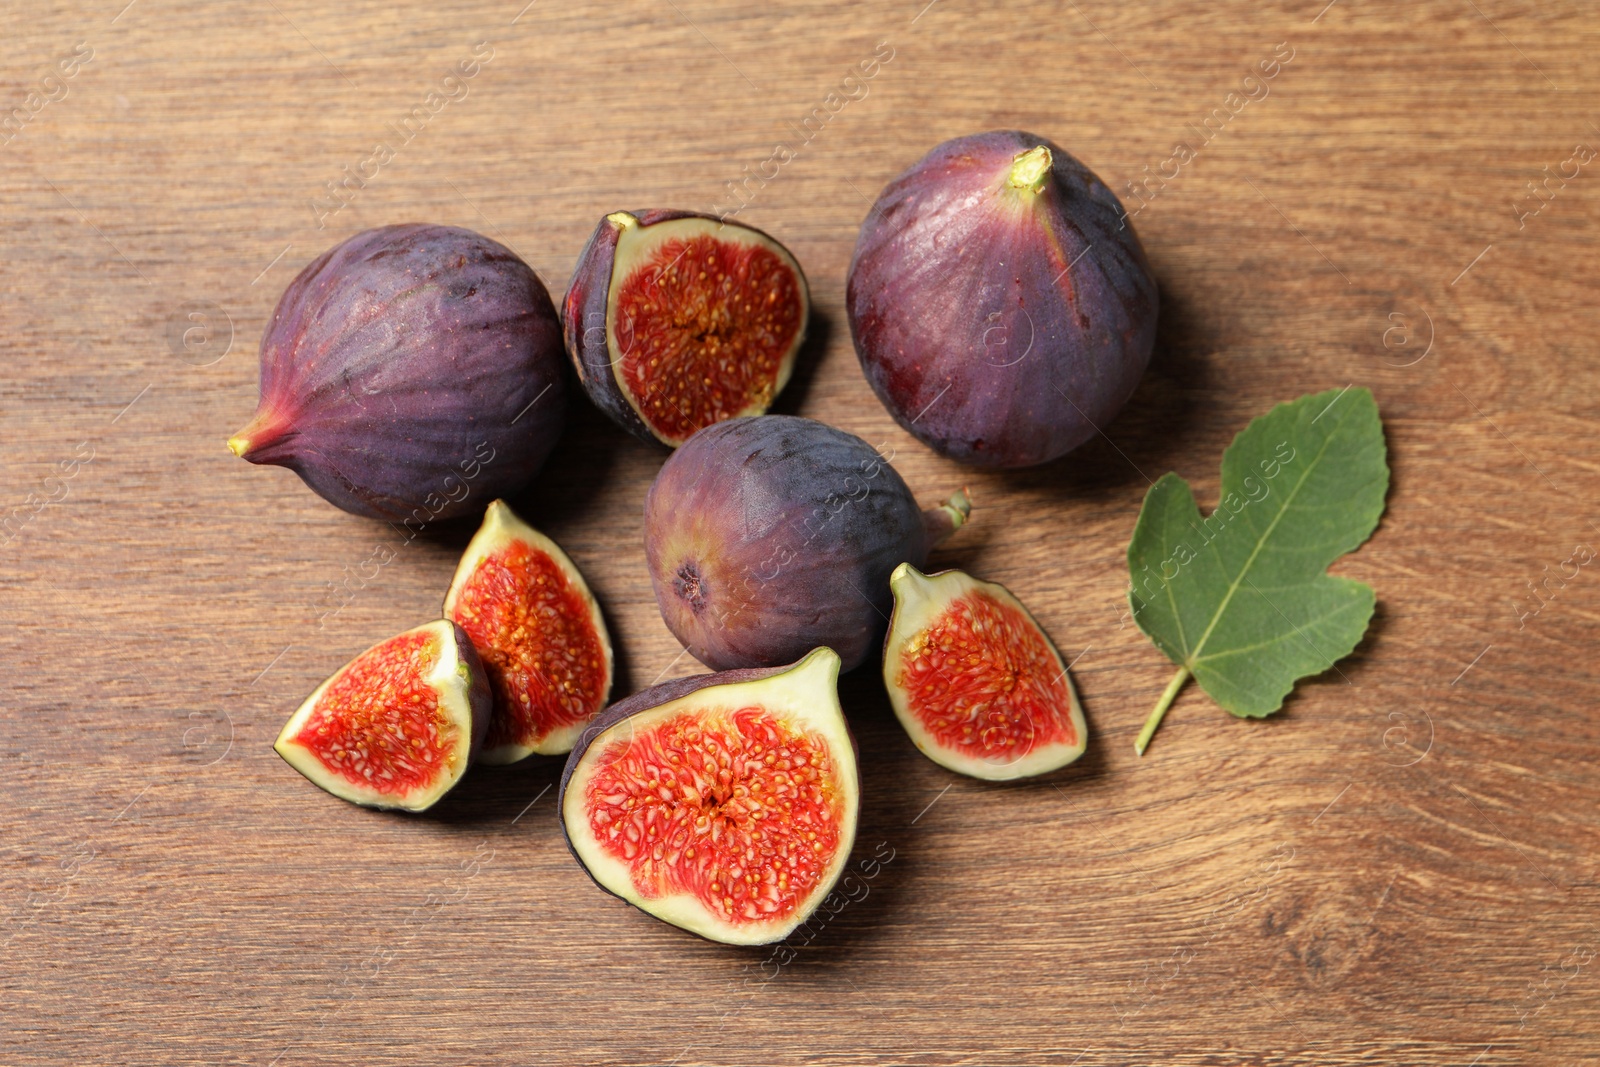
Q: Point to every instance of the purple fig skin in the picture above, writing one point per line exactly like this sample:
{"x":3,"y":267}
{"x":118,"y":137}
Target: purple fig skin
{"x":479,"y":695}
{"x":1002,"y":315}
{"x":411,"y":373}
{"x":771,"y":535}
{"x":583,"y":313}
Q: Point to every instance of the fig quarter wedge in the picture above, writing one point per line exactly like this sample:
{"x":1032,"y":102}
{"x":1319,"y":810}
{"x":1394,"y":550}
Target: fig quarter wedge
{"x":530,"y":615}
{"x":397,"y":726}
{"x":975,"y":681}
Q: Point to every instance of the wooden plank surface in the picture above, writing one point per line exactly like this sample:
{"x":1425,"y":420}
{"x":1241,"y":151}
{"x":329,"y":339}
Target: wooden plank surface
{"x":1399,"y":868}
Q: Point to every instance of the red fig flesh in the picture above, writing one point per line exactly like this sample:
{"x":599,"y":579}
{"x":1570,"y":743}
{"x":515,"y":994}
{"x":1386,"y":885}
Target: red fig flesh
{"x":975,"y":681}
{"x":540,"y":635}
{"x":676,"y":321}
{"x":397,"y":726}
{"x":410,"y":373}
{"x":769,"y":536}
{"x":1000,"y":302}
{"x":725,"y":804}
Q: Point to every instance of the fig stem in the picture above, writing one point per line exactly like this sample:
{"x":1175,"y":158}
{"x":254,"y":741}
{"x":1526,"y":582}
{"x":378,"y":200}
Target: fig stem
{"x":1030,"y":169}
{"x":263,"y":429}
{"x":1168,"y":695}
{"x":948,"y":517}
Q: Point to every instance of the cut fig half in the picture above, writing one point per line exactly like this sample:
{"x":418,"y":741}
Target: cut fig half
{"x":975,"y":680}
{"x":725,"y":804}
{"x":675,"y":321}
{"x":539,"y":632}
{"x":397,"y":726}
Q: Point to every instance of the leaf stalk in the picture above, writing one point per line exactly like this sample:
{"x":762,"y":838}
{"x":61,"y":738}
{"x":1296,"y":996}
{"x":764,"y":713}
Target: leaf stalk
{"x":1168,"y":695}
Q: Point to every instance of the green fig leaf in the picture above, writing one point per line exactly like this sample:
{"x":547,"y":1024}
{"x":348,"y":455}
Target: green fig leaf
{"x":1241,"y":599}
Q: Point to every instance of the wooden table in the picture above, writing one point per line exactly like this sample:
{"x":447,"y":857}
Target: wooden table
{"x":1399,"y":868}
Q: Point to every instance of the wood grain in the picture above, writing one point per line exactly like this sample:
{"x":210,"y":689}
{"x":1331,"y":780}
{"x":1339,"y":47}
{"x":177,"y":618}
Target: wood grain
{"x":1400,"y":868}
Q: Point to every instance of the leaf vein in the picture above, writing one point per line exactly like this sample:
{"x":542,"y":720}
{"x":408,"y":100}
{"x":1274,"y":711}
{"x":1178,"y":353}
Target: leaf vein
{"x":1233,"y":586}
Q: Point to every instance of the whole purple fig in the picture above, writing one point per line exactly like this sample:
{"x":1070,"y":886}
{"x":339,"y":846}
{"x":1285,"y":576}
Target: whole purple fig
{"x":411,"y":373}
{"x":1000,"y":302}
{"x":771,"y":535}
